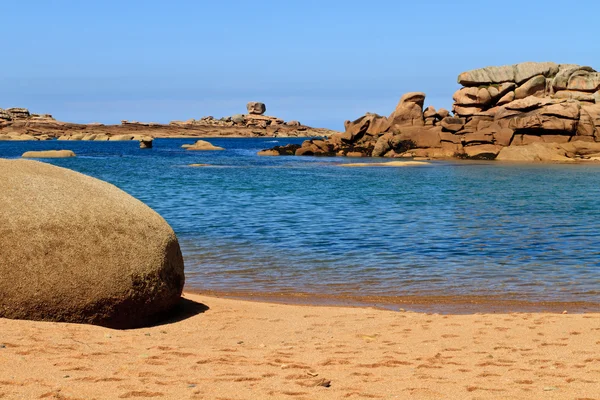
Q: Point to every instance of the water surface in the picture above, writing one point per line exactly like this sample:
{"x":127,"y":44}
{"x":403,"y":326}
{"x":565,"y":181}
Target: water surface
{"x":285,"y":224}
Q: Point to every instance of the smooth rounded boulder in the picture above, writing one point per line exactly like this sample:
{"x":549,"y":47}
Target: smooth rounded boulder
{"x":49,"y":154}
{"x":202,"y":145}
{"x":77,"y":249}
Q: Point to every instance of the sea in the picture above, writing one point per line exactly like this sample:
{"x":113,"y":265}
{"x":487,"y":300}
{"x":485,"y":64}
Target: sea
{"x":310,"y":228}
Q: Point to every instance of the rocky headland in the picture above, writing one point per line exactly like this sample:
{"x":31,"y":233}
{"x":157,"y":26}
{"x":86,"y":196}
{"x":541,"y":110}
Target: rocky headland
{"x":20,"y":124}
{"x":524,"y":112}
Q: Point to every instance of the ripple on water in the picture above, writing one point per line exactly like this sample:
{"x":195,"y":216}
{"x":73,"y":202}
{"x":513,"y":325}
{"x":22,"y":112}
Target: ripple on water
{"x":287,"y":224}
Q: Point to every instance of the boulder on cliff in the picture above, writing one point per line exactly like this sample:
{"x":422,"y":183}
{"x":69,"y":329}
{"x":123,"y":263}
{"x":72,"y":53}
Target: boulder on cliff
{"x":77,"y":249}
{"x":256,"y":108}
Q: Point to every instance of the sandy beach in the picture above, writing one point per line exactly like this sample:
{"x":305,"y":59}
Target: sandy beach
{"x":233,"y":349}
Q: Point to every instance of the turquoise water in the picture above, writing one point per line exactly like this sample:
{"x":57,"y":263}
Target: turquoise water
{"x":287,"y":224}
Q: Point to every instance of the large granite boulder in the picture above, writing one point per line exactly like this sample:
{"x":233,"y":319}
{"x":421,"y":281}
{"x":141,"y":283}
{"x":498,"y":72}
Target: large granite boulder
{"x":256,"y":108}
{"x":409,"y":111}
{"x":540,"y":116}
{"x":517,"y":73}
{"x":534,"y":152}
{"x":368,"y":124}
{"x":487,"y":75}
{"x":535,"y":86}
{"x":77,"y":249}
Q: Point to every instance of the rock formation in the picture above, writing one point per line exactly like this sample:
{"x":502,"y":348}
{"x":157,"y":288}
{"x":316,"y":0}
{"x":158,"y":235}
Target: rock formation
{"x":49,"y":154}
{"x":146,"y":143}
{"x":262,"y":124}
{"x":201,"y":145}
{"x":256,"y":108}
{"x":496,"y":107}
{"x":20,"y":124}
{"x":77,"y":249}
{"x":16,"y":114}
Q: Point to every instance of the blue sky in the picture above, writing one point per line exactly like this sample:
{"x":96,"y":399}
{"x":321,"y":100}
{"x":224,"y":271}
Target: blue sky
{"x":320,"y":62}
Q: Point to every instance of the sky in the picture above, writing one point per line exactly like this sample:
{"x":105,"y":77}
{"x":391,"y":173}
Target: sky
{"x":319,"y":62}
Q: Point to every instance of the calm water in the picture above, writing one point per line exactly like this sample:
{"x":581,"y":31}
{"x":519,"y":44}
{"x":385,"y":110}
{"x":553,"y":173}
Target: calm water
{"x":287,"y":224}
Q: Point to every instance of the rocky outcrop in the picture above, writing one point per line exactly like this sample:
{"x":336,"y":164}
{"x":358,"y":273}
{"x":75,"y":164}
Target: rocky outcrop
{"x":16,"y":137}
{"x":201,"y":145}
{"x":77,"y":249}
{"x":21,"y":114}
{"x":261,"y":125}
{"x":49,"y":154}
{"x":496,"y":107}
{"x":19,"y":122}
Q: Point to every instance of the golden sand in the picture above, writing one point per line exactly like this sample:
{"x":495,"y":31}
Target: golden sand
{"x":388,"y":164}
{"x":234,"y":349}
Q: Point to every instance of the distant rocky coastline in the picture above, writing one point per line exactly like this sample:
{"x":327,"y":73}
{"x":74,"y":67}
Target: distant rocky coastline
{"x":523,"y":112}
{"x":20,"y":124}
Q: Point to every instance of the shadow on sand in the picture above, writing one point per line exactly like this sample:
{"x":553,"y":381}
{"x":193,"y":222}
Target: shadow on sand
{"x":185,"y":309}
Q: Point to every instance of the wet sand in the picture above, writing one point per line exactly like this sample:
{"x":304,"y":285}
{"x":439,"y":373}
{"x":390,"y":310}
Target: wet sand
{"x":446,"y":304}
{"x":233,"y":349}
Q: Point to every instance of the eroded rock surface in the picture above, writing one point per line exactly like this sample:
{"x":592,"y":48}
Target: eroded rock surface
{"x":496,"y":107}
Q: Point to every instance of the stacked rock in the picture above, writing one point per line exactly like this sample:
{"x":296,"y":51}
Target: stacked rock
{"x":539,"y":102}
{"x":18,"y":113}
{"x":4,"y":115}
{"x":254,"y":119}
{"x":256,"y":108}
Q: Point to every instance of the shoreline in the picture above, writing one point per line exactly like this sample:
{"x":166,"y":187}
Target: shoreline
{"x":231,"y":349}
{"x":447,"y":305}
